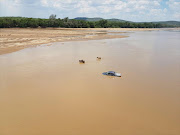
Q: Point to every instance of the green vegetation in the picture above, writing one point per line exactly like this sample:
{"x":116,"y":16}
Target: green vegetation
{"x":22,"y":22}
{"x":162,"y":23}
{"x":97,"y":19}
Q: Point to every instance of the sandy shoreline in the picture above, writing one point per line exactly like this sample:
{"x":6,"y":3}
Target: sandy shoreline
{"x":14,"y":39}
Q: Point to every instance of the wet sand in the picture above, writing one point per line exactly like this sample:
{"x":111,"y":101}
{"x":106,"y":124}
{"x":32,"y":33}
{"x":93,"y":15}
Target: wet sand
{"x":14,"y":39}
{"x":45,"y":91}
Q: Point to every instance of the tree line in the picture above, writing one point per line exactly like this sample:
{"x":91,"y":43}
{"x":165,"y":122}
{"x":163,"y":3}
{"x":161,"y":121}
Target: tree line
{"x":21,"y":22}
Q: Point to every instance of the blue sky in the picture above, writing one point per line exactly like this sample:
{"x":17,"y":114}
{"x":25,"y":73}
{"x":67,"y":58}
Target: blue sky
{"x":131,"y":10}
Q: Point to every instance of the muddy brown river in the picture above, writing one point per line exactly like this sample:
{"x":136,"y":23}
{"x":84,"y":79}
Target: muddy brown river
{"x":45,"y":91}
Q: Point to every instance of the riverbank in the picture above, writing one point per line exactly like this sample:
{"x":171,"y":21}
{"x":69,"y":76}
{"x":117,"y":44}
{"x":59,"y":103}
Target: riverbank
{"x":14,"y":39}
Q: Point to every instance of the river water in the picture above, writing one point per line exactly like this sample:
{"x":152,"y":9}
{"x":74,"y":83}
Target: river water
{"x":45,"y":91}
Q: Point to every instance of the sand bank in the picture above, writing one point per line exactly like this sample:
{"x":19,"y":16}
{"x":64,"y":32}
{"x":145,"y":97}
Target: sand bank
{"x":13,"y":39}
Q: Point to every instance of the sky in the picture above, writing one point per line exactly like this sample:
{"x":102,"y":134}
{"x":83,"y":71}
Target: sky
{"x":131,"y":10}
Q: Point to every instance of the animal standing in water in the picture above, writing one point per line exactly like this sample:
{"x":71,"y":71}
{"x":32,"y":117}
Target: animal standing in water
{"x":81,"y":61}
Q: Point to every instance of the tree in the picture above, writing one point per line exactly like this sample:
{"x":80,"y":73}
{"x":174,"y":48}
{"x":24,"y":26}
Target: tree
{"x":103,"y":23}
{"x":22,"y":22}
{"x":52,"y":20}
{"x":52,"y":17}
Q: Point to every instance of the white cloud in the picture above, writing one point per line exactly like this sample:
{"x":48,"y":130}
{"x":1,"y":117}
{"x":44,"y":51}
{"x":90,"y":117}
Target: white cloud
{"x":174,"y":6}
{"x":44,"y":3}
{"x":10,"y":7}
{"x":176,"y":15}
{"x":85,"y":7}
{"x":134,"y":10}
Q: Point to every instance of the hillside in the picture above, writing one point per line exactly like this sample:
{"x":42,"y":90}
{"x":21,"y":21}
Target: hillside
{"x":88,"y":19}
{"x":98,"y":19}
{"x":173,"y":23}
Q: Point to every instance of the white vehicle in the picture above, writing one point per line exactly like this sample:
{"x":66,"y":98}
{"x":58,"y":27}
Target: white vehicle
{"x":112,"y":73}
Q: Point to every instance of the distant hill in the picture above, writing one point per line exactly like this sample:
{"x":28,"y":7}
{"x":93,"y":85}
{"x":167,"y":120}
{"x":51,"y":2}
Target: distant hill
{"x":173,"y":23}
{"x":170,"y":23}
{"x":117,"y":20}
{"x":88,"y":19}
{"x":98,"y":19}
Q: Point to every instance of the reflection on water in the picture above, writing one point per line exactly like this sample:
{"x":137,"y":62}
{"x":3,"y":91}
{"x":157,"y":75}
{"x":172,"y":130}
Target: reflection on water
{"x":45,"y":91}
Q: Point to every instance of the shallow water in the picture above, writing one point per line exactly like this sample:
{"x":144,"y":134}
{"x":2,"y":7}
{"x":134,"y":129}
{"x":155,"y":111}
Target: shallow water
{"x":45,"y":91}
